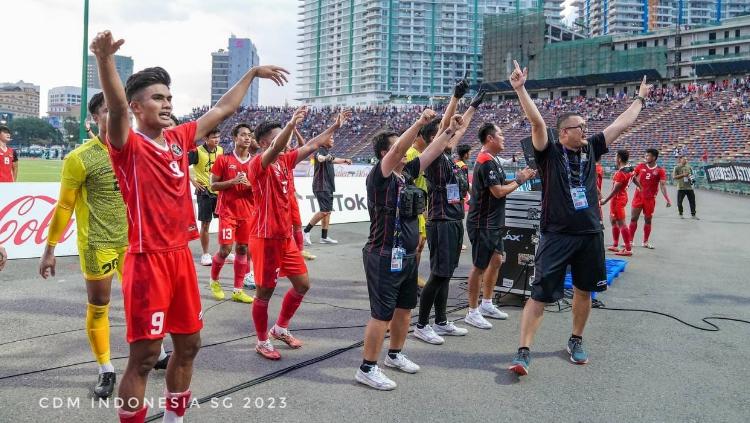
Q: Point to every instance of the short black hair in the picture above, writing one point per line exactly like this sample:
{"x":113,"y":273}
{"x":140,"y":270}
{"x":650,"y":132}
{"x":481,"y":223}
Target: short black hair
{"x":487,"y":128}
{"x":5,"y":129}
{"x":381,"y":141}
{"x":145,"y":78}
{"x":174,"y":119}
{"x":429,"y":131}
{"x":213,"y":131}
{"x":97,"y":100}
{"x":563,"y":117}
{"x":265,"y":127}
{"x":463,"y":150}
{"x":236,"y":129}
{"x":652,"y":151}
{"x":623,"y":155}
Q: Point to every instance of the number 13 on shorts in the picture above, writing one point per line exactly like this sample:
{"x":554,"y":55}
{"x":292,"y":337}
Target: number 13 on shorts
{"x":157,"y":323}
{"x":226,"y":234}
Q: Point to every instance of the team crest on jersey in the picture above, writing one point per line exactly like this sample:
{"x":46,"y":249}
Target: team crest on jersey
{"x":176,"y":150}
{"x":492,"y":175}
{"x":231,"y":166}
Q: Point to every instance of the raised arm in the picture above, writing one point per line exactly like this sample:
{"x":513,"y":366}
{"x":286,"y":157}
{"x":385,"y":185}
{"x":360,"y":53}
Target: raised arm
{"x":314,"y":144}
{"x":300,"y":139}
{"x":397,"y":152}
{"x":466,"y":118}
{"x":104,"y":48}
{"x":231,"y":100}
{"x":437,"y":146}
{"x":459,"y":91}
{"x":538,"y":126}
{"x":628,"y":117}
{"x":282,"y":139}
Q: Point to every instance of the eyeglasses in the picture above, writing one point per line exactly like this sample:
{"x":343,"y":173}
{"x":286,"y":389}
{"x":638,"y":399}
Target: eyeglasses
{"x":582,"y":127}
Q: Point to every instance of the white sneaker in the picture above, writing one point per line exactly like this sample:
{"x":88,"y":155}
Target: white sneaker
{"x":428,"y":335}
{"x":328,"y":240}
{"x":206,"y":259}
{"x":375,"y":379}
{"x":229,"y":259}
{"x":475,"y":319}
{"x":449,"y":329}
{"x":491,"y":311}
{"x":648,"y":245}
{"x":306,"y":237}
{"x":401,"y":362}
{"x":249,"y":280}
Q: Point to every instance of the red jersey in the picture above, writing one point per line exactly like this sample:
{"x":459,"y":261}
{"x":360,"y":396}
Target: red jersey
{"x":155,"y":186}
{"x":621,"y":197}
{"x":235,"y":202}
{"x":7,"y":158}
{"x":649,"y":179}
{"x":599,"y":176}
{"x":273,"y":190}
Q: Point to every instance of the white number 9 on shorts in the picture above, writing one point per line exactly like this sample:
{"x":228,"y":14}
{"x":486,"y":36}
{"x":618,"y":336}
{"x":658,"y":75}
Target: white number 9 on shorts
{"x":157,"y":321}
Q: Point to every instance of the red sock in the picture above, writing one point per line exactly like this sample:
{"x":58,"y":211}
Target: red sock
{"x":292,"y":300}
{"x":240,"y":268}
{"x":298,"y":239}
{"x":616,"y":234}
{"x":633,"y":228}
{"x":217,"y":262}
{"x":132,"y":416}
{"x":260,"y":318}
{"x":646,"y":232}
{"x":178,"y":403}
{"x":626,"y":237}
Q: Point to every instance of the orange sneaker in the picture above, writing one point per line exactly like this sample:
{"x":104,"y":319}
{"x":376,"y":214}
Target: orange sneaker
{"x":267,"y":350}
{"x":287,"y":338}
{"x":624,"y":252}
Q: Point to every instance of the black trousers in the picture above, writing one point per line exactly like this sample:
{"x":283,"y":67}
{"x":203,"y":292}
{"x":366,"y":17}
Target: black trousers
{"x":681,"y":194}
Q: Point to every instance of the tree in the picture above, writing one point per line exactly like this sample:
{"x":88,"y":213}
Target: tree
{"x":70,"y":128}
{"x":27,"y":131}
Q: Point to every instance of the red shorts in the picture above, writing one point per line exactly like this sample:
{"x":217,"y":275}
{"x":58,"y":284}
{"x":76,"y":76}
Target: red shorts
{"x":617,"y":211}
{"x":647,"y":204}
{"x":274,"y":258}
{"x":233,"y":230}
{"x":161,"y":295}
{"x":294,"y":211}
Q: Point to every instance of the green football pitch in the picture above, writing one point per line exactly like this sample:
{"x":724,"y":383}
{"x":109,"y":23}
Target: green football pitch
{"x":39,"y":170}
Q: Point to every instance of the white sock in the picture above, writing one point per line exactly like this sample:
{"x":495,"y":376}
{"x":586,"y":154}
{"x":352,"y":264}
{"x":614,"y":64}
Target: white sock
{"x":162,"y":353}
{"x":236,"y":290}
{"x":106,"y":368}
{"x":171,"y":417}
{"x":473,"y":310}
{"x":278,"y":330}
{"x":487,"y":302}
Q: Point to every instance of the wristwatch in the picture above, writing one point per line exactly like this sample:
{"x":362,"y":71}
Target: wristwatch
{"x":643,"y":100}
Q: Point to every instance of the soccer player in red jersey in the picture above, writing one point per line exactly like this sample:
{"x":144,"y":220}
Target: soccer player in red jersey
{"x":619,"y":197}
{"x":8,"y":157}
{"x":159,"y":283}
{"x":648,"y":178}
{"x":234,"y":207}
{"x":274,"y":251}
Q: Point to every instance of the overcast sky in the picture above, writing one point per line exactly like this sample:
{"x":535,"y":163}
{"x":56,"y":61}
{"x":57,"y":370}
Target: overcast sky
{"x":42,"y":40}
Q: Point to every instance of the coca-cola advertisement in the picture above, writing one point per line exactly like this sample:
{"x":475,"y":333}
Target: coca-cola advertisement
{"x":26,"y":211}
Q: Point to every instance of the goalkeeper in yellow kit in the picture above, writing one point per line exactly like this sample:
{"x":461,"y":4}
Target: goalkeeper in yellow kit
{"x":89,"y":187}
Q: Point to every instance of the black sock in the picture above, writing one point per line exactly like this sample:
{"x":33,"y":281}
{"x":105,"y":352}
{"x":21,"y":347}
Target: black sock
{"x":392,"y":353}
{"x":443,"y":323}
{"x":580,"y":338}
{"x":324,"y":233}
{"x":367,"y":365}
{"x":524,"y":348}
{"x":420,"y":326}
{"x":308,"y":228}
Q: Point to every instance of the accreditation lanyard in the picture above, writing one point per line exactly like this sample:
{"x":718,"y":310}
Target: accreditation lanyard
{"x":577,"y":193}
{"x":398,"y":251}
{"x":451,"y":189}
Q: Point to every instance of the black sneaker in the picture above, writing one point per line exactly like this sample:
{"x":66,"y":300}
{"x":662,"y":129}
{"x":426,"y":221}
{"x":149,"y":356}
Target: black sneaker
{"x":162,"y":364}
{"x":105,"y":385}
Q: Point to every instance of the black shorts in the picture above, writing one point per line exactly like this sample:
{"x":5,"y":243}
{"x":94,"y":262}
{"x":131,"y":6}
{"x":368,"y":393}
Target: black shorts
{"x":584,"y":254}
{"x":484,"y":244}
{"x":389,"y":290}
{"x":325,"y":200}
{"x":444,"y":238}
{"x":206,"y":207}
